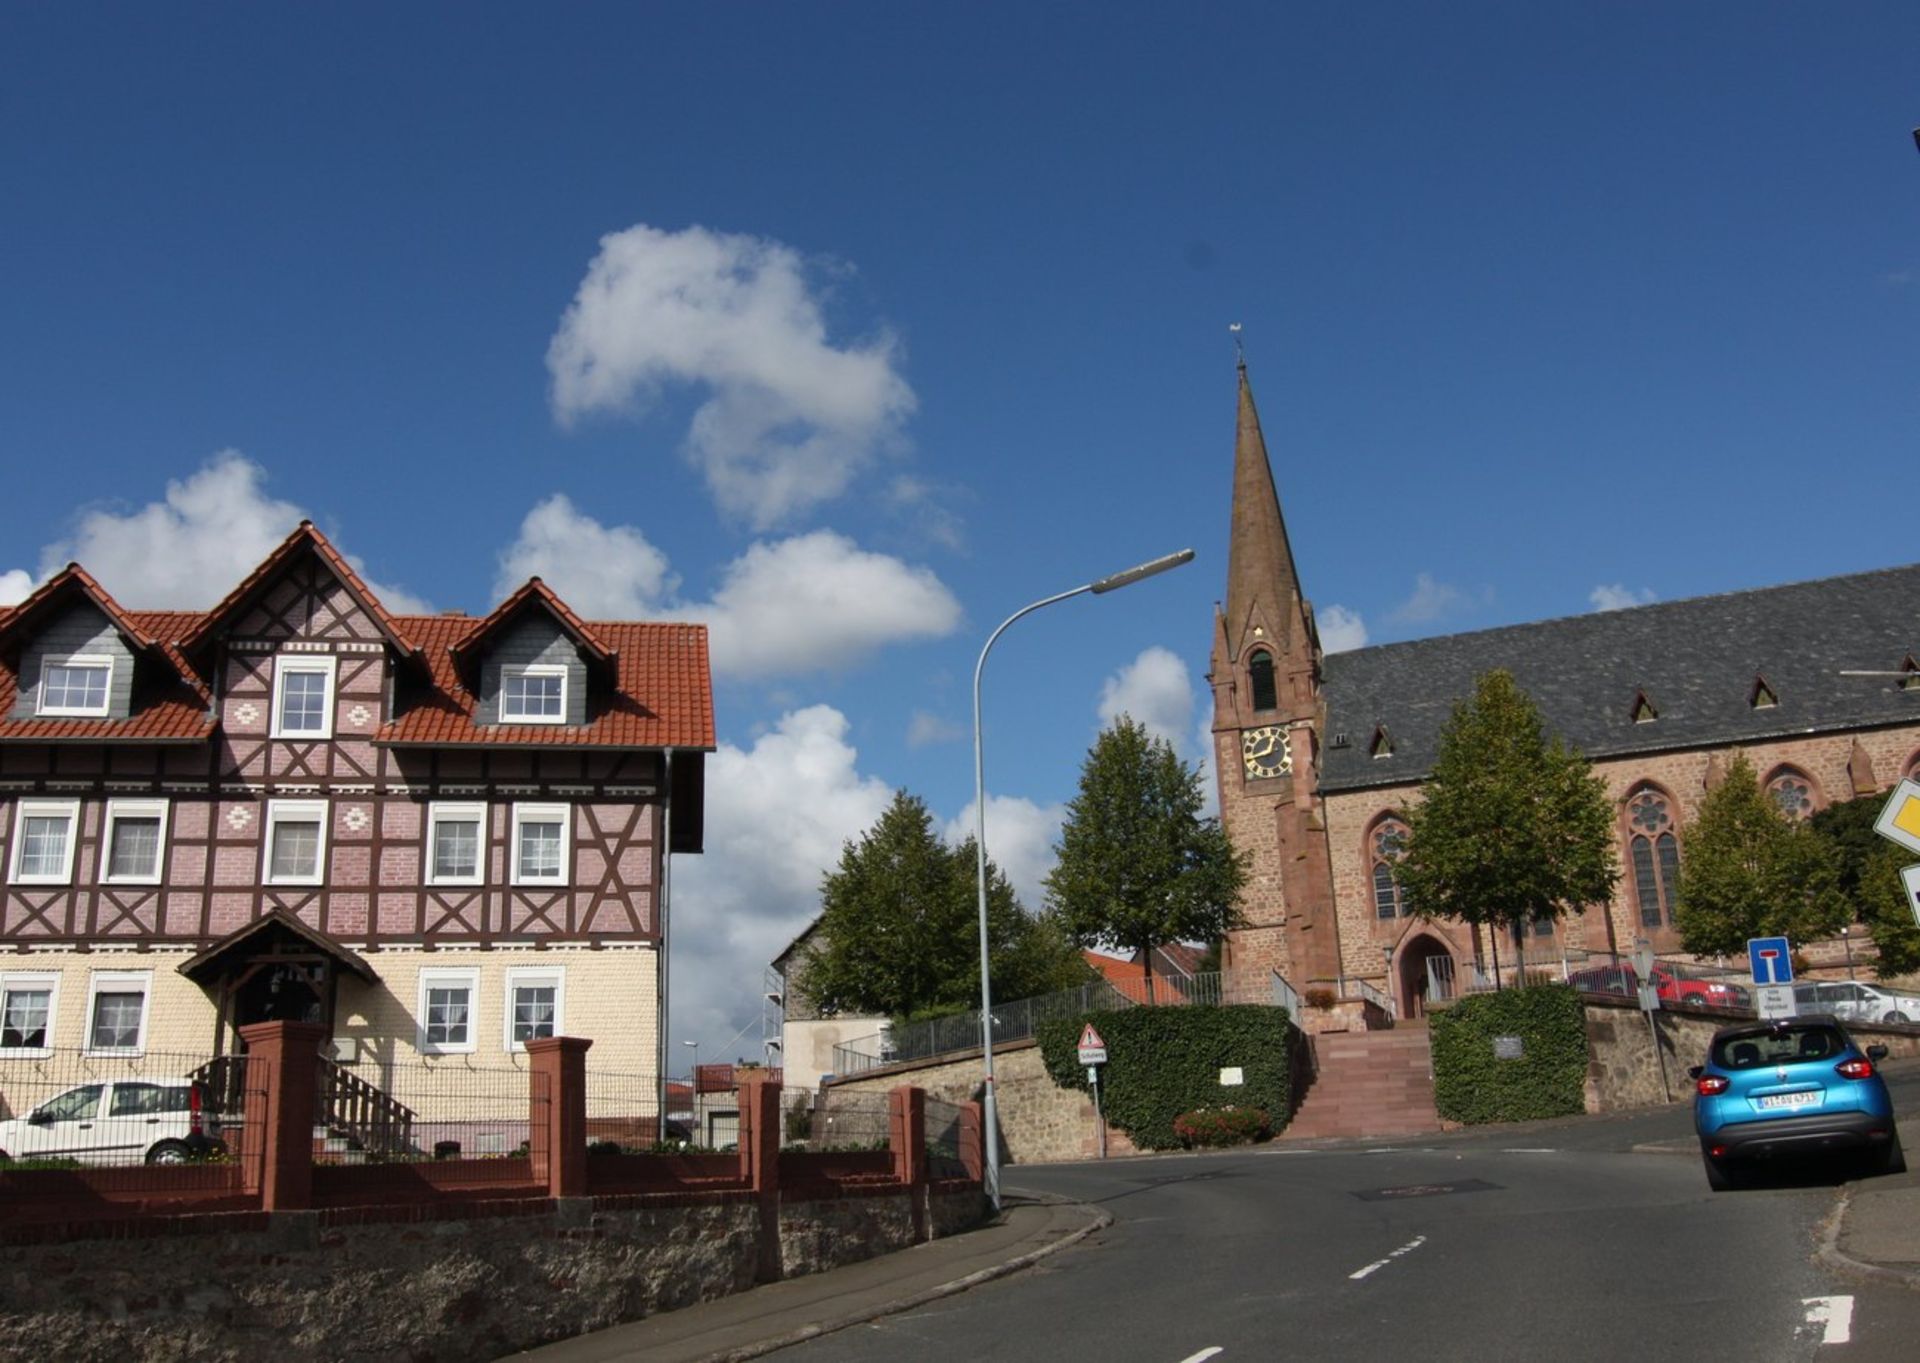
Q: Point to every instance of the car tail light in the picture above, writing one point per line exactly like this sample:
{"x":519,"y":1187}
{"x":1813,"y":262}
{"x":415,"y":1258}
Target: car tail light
{"x":1855,"y":1069}
{"x":193,"y":1110}
{"x":1710,"y":1084}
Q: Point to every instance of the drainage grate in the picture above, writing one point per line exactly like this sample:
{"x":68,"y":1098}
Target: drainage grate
{"x":1465,"y":1185}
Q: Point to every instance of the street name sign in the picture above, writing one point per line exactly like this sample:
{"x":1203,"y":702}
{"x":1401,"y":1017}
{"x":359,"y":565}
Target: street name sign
{"x":1774,"y":1001}
{"x":1771,"y":959}
{"x":1093,"y":1051}
{"x":1899,"y":819}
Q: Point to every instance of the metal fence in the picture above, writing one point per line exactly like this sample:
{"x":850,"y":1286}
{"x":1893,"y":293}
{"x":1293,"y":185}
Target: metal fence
{"x":70,"y":1108}
{"x":851,"y":1120}
{"x":1020,"y":1018}
{"x":450,"y":1107}
{"x":943,"y":1139}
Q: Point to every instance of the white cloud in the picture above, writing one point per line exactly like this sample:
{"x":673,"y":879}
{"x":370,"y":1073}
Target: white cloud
{"x":191,"y":548}
{"x":810,"y":603}
{"x":777,"y":816}
{"x":608,"y":573}
{"x":925,"y":729}
{"x":1156,"y":691}
{"x":1341,"y":630}
{"x":1203,"y":744}
{"x":1020,"y":839}
{"x":16,"y":584}
{"x":1430,"y":601}
{"x":1615,"y":596}
{"x":789,"y":417}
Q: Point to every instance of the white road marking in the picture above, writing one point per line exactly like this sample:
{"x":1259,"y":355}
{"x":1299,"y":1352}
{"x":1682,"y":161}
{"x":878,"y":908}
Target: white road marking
{"x":1532,"y":1150}
{"x":1834,"y":1316}
{"x":1203,"y":1355}
{"x":1378,"y":1264}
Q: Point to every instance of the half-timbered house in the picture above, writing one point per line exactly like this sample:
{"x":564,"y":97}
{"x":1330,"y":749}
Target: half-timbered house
{"x":438,"y":835}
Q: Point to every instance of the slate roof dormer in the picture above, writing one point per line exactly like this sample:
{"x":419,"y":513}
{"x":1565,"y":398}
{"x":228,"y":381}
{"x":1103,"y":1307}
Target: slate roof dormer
{"x":533,"y":594}
{"x":154,"y":693}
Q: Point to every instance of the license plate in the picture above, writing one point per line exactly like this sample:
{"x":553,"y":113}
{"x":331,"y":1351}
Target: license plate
{"x":1779,"y":1100}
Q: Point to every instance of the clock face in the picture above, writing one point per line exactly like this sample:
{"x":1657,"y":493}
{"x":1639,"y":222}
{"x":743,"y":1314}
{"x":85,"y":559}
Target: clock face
{"x":1266,"y":751}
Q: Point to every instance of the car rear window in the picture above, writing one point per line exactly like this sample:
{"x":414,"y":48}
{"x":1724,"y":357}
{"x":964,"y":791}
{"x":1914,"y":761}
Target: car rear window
{"x":1779,"y":1046}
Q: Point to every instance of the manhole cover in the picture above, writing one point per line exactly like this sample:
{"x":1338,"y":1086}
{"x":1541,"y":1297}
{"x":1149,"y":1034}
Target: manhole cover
{"x":1464,"y":1185}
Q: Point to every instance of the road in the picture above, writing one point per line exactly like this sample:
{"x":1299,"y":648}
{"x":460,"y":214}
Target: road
{"x":1550,"y":1240}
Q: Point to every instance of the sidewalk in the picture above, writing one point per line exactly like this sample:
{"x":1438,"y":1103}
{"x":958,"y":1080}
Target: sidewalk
{"x":748,"y":1324}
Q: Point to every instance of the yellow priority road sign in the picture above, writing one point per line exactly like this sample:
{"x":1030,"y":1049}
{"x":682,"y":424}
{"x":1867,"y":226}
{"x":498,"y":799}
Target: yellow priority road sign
{"x":1900,"y":819}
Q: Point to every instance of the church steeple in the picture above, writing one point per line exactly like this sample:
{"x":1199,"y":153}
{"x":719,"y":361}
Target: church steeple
{"x":1264,"y":600}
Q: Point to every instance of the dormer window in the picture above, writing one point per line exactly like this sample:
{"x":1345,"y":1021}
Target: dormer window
{"x":1762,"y":697}
{"x":303,"y":697}
{"x":1910,"y":680}
{"x":533,"y":695}
{"x":1643,"y":711}
{"x":75,"y":686}
{"x":1266,"y":695}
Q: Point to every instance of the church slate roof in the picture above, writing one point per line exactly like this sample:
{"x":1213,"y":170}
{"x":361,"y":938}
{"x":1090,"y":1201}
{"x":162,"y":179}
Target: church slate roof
{"x":1696,"y":661}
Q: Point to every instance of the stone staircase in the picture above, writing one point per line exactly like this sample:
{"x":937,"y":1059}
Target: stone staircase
{"x":1369,"y":1084}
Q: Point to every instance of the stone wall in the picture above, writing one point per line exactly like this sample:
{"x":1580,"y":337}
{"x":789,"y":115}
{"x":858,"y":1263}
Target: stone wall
{"x":1040,"y":1122}
{"x":1622,"y":1068}
{"x":405,"y":1284}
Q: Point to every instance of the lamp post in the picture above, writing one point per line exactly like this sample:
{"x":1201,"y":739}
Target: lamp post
{"x":989,"y":1118}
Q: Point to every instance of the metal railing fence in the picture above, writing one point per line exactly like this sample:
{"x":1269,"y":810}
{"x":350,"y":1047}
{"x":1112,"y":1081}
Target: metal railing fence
{"x":943,"y":1139}
{"x":457,"y":1106}
{"x":850,"y":1120}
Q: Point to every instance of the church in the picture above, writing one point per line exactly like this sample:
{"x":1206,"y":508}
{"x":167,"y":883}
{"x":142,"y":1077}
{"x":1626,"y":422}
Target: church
{"x":1319,"y":755}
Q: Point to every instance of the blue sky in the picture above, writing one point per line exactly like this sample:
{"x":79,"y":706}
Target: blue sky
{"x":852,"y":328}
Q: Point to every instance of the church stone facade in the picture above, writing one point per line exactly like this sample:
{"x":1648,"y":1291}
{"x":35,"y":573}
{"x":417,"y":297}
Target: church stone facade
{"x":1319,"y":755}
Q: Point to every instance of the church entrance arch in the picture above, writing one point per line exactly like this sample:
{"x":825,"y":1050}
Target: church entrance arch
{"x":1425,"y":972}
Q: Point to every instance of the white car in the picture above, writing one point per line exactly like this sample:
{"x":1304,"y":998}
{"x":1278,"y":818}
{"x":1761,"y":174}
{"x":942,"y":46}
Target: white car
{"x":1851,"y":1001}
{"x":116,"y":1121}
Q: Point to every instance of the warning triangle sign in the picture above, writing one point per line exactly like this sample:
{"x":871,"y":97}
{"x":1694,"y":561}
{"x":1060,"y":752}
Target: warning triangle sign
{"x":1090,"y":1039}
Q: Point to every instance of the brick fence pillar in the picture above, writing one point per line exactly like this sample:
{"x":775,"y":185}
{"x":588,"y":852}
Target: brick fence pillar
{"x":280,"y":1102}
{"x":760,"y":1166}
{"x":907,"y":1133}
{"x":973,"y":1145}
{"x":557,"y":1113}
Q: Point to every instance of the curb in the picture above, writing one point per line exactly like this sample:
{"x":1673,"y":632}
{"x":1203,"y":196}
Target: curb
{"x":1830,"y":1253}
{"x":1098,"y":1219}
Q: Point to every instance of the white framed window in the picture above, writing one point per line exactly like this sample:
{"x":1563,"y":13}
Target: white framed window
{"x":535,"y":694}
{"x":536,"y":1004}
{"x":27,"y":1004}
{"x":117,"y":1011}
{"x":135,"y":842}
{"x":541,"y":844}
{"x":303,"y":696}
{"x":456,"y":843}
{"x":44,"y":834}
{"x":449,"y":1004}
{"x":295,"y":850}
{"x":74,"y":686}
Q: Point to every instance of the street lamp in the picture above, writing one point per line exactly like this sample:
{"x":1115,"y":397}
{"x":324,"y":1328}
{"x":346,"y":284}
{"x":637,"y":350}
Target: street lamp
{"x":989,"y":1119}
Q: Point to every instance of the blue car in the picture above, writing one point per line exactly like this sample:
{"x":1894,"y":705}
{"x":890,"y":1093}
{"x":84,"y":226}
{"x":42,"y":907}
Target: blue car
{"x":1787,"y":1089}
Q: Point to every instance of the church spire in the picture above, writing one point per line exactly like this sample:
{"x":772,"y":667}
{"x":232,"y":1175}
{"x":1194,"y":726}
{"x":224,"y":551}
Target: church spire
{"x":1263,"y":587}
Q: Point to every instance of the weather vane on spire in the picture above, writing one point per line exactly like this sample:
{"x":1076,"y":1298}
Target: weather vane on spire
{"x":1239,"y":351}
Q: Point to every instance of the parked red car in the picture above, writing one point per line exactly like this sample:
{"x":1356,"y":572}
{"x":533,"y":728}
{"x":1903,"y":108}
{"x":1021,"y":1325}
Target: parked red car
{"x":1623,"y":981}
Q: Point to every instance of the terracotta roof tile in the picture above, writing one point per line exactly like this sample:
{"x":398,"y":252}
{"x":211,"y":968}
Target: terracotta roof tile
{"x":663,"y":694}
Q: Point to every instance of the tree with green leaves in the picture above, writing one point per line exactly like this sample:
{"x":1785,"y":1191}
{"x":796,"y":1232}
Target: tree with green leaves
{"x":900,"y":928}
{"x":1511,"y":828}
{"x":1140,"y":863}
{"x":1869,"y":877}
{"x":1750,"y":871}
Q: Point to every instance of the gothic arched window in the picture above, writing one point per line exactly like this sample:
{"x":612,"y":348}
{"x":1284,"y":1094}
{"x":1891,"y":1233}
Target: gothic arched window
{"x":1260,"y":671}
{"x":1654,"y":854}
{"x":1386,"y":846}
{"x":1793,"y":792}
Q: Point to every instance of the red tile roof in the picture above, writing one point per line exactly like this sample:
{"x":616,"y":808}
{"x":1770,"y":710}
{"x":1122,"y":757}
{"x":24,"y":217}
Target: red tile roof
{"x":663,"y":695}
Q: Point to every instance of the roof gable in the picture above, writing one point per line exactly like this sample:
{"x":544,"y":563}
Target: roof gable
{"x":533,"y":595}
{"x":306,"y":539}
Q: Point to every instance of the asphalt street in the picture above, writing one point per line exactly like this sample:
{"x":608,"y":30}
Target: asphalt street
{"x":1576,"y":1239}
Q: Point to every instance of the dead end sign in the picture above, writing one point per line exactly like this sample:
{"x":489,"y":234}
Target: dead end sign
{"x":1093,"y":1051}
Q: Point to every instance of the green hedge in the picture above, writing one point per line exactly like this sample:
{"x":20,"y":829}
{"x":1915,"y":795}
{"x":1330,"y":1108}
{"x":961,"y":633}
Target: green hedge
{"x":1472,"y":1084}
{"x":1162,"y":1062}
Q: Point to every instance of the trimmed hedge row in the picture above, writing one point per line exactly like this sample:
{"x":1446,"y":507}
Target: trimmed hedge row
{"x":1162,"y":1062}
{"x":1473,"y":1084}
